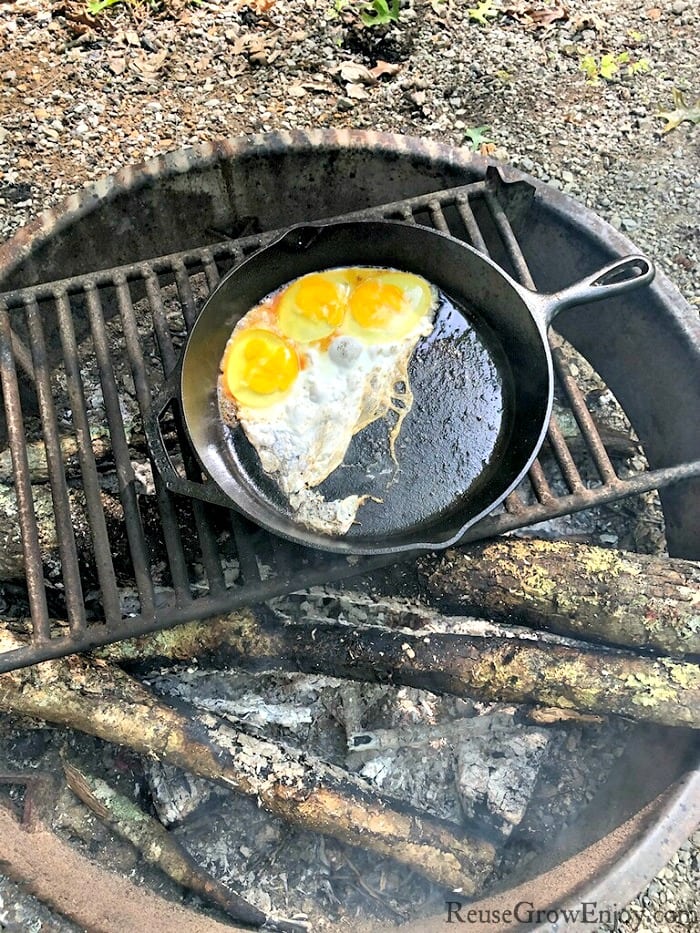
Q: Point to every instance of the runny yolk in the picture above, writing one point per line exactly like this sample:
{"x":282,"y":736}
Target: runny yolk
{"x":259,"y":367}
{"x":312,"y":307}
{"x":319,"y":299}
{"x":375,"y":304}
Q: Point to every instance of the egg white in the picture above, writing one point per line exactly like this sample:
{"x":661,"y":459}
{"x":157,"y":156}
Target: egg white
{"x":345,"y":385}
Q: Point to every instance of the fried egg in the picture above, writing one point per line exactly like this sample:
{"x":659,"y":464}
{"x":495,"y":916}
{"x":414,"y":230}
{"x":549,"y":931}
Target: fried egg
{"x":313,"y":364}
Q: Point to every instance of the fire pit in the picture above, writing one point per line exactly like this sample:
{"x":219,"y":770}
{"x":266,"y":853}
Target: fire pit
{"x":97,"y":301}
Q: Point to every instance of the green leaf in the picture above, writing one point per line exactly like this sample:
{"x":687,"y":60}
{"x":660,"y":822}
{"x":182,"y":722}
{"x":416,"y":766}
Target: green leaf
{"x":608,"y":67}
{"x":639,"y":67}
{"x":588,"y":64}
{"x":483,"y":13}
{"x":478,"y":135}
{"x":378,"y":13}
{"x":682,"y":113}
{"x":97,"y":6}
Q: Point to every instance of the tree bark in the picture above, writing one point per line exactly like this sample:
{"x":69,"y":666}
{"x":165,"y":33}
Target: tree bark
{"x":592,"y":593}
{"x":512,"y":670}
{"x":101,"y":700}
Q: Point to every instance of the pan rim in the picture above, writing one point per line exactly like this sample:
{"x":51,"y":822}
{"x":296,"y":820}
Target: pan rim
{"x":277,"y":522}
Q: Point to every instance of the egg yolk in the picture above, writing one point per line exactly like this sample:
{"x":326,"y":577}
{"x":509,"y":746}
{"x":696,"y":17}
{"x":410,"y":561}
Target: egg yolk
{"x":259,"y":367}
{"x":312,"y":307}
{"x":387,"y":307}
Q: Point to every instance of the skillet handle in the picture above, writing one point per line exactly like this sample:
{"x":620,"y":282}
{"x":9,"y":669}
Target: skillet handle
{"x":172,"y":479}
{"x":617,"y":278}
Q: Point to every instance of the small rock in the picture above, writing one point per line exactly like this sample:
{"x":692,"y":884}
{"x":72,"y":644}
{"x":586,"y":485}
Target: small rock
{"x":629,"y":224}
{"x":344,"y":104}
{"x":678,"y":7}
{"x":257,"y":59}
{"x":527,"y":164}
{"x":417,"y":98}
{"x":567,"y":176}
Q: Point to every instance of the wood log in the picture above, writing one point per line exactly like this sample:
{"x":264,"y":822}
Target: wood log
{"x":11,"y":552}
{"x":37,"y":459}
{"x":592,"y":593}
{"x":161,"y":848}
{"x":101,"y":700}
{"x":513,"y":670}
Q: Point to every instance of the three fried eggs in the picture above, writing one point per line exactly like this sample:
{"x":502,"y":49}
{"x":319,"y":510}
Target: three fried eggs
{"x":315,"y":362}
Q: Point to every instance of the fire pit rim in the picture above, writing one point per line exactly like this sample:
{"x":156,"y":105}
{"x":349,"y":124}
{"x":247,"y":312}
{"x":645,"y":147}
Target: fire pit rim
{"x":675,"y":817}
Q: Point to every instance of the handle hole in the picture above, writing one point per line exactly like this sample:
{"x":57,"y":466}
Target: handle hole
{"x":628,"y":271}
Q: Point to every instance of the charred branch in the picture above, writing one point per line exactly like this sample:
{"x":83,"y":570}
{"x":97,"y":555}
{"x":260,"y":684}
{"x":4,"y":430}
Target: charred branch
{"x":513,"y":670}
{"x":160,"y":848}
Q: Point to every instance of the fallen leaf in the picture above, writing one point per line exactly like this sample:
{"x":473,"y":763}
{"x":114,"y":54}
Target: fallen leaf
{"x":355,"y":73}
{"x":588,"y":21}
{"x":249,"y":42}
{"x":257,"y":6}
{"x":546,"y":17}
{"x":536,"y":17}
{"x":116,"y":65}
{"x":483,"y":12}
{"x":149,"y":65}
{"x":653,"y":13}
{"x":384,"y":68}
{"x":132,"y":38}
{"x":356,"y":92}
{"x":682,"y":113}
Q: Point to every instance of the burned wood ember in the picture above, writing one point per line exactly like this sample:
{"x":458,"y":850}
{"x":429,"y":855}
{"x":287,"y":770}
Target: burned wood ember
{"x":513,"y":670}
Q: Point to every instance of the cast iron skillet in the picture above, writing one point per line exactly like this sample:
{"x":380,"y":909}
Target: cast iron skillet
{"x":482,"y":385}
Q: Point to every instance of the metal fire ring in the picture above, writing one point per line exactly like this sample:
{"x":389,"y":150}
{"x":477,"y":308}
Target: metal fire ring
{"x":658,"y":388}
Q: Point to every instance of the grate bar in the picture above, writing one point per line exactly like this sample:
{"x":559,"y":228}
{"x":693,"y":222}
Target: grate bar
{"x":470,"y":225}
{"x":171,"y":532}
{"x":582,"y":415}
{"x":67,"y":548}
{"x":437,"y":217}
{"x":505,"y":231}
{"x":247,"y":561}
{"x":184,"y":289}
{"x":207,"y":540}
{"x":540,"y":485}
{"x":125,"y":471}
{"x":86,"y":458}
{"x":160,"y":322}
{"x":23,"y":356}
{"x":211,"y":270}
{"x":515,"y":504}
{"x":563,"y":457}
{"x":23,"y":485}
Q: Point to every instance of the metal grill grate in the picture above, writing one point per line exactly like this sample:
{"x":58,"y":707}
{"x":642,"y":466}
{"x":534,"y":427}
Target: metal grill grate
{"x":108,"y":544}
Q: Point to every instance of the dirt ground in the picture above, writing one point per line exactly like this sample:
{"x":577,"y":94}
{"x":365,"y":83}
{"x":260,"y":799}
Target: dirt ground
{"x":600,"y":99}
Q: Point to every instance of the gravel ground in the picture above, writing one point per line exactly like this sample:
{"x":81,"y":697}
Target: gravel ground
{"x":81,"y":96}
